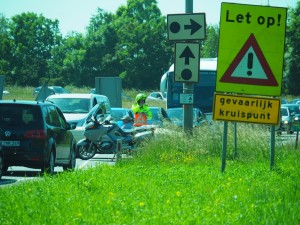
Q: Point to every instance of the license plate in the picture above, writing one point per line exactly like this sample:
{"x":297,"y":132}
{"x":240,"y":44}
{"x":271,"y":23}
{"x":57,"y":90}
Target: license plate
{"x":10,"y":143}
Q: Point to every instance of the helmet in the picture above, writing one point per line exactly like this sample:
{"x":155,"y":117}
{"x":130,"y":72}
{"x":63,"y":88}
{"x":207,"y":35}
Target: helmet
{"x":140,"y":96}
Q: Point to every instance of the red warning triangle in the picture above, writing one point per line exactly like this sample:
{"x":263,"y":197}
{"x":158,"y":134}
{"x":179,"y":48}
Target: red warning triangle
{"x":250,"y":67}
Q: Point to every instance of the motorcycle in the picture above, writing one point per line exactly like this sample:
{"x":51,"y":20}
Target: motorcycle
{"x":102,"y":138}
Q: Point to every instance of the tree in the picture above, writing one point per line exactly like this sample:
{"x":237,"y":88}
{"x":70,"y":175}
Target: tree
{"x":142,"y":49}
{"x":293,"y":52}
{"x":209,"y":48}
{"x":100,"y":45}
{"x":67,"y":62}
{"x":33,"y":38}
{"x":5,"y":50}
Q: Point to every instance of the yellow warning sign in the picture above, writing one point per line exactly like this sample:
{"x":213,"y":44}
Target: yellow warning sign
{"x":246,"y":109}
{"x":251,"y":49}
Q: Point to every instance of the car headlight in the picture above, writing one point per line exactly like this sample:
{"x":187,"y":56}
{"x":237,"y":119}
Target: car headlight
{"x":296,"y":118}
{"x":285,"y":122}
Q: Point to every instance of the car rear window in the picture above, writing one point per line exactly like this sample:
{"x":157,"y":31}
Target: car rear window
{"x":20,"y":115}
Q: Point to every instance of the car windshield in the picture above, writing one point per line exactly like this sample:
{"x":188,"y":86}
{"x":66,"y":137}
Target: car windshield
{"x":72,"y":105}
{"x":295,"y":109}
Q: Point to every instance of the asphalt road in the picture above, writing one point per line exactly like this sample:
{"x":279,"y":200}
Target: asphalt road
{"x":17,"y":174}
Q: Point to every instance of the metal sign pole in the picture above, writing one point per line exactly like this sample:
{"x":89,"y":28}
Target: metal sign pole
{"x":272,"y":147}
{"x":235,"y":140}
{"x":224,"y":148}
{"x":188,"y":88}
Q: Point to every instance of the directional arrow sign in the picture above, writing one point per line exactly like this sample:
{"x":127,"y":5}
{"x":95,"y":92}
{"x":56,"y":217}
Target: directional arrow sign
{"x":187,"y":58}
{"x":187,"y":54}
{"x":194,"y":26}
{"x":186,"y":26}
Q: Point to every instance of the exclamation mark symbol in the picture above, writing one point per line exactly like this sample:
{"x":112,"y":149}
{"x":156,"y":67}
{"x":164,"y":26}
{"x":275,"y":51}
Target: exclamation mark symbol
{"x":279,"y":17}
{"x":250,"y":63}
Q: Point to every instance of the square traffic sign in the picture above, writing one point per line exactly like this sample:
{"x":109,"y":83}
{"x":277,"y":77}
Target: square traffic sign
{"x":248,"y":109}
{"x":187,"y":60}
{"x":251,"y":49}
{"x":186,"y":26}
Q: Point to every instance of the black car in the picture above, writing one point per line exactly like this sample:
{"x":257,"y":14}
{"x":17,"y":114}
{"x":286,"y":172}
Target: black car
{"x":35,"y":135}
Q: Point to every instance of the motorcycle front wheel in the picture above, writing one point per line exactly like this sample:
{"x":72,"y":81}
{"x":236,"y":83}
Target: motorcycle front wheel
{"x":85,"y":153}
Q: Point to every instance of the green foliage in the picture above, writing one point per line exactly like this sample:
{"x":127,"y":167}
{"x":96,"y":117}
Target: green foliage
{"x":293,"y":43}
{"x":100,"y":44}
{"x":209,"y":49}
{"x":175,"y":179}
{"x":143,"y":52}
{"x":33,"y":38}
{"x":67,"y":63}
{"x":131,"y":44}
{"x":6,"y":46}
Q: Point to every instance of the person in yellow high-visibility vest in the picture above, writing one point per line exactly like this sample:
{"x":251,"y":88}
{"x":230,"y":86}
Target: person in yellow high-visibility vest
{"x":141,"y":110}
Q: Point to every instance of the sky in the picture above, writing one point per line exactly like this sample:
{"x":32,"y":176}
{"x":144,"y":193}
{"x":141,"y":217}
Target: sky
{"x":74,"y":15}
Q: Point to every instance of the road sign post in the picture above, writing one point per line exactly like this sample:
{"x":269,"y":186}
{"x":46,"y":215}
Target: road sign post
{"x":250,"y":61}
{"x":185,"y":28}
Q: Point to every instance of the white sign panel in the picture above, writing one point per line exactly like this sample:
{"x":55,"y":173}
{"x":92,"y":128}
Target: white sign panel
{"x":186,"y":98}
{"x":187,"y":59}
{"x":186,"y":26}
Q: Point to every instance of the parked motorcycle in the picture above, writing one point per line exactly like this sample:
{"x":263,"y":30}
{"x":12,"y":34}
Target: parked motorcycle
{"x":102,"y":138}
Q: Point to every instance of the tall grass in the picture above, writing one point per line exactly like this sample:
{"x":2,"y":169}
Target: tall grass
{"x":173,"y":179}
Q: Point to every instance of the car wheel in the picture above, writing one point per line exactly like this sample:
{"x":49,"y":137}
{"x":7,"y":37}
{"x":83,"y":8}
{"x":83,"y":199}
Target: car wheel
{"x":72,"y":163}
{"x":49,"y":167}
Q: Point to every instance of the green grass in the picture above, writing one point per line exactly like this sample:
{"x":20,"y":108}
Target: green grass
{"x":174,"y":179}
